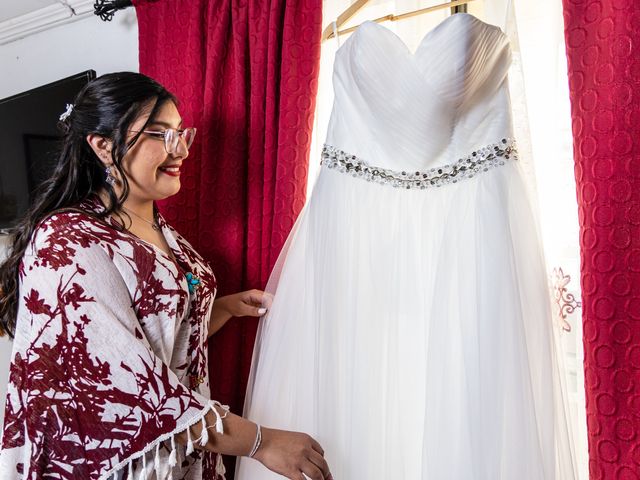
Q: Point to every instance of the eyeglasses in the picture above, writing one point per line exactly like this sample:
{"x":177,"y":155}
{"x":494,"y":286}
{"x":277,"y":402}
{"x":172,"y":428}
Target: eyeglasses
{"x":172,"y":137}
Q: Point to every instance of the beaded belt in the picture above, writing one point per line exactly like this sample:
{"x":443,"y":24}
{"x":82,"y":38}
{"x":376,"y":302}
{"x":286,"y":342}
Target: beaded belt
{"x":481,"y":160}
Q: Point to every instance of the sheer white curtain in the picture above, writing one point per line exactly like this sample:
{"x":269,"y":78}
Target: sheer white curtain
{"x":544,"y":66}
{"x":540,"y":98}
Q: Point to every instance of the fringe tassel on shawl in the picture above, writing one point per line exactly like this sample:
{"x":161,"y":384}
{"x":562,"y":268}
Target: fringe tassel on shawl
{"x":173,"y":459}
{"x":220,"y":468}
{"x":189,"y":441}
{"x":156,"y":462}
{"x":204,"y":438}
{"x":143,"y":472}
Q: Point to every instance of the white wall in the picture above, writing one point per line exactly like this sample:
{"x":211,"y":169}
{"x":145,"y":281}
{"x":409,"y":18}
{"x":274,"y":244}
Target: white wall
{"x":86,"y":44}
{"x":51,"y":55}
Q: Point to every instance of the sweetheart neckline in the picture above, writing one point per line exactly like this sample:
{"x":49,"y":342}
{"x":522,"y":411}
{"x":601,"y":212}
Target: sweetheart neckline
{"x":426,"y":36}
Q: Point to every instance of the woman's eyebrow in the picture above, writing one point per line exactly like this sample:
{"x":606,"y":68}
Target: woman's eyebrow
{"x":165,"y":124}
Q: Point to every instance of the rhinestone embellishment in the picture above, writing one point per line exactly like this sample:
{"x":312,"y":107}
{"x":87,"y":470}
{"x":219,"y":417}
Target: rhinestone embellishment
{"x":481,"y":160}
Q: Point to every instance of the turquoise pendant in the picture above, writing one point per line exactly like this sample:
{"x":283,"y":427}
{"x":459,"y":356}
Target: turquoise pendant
{"x":192,"y":281}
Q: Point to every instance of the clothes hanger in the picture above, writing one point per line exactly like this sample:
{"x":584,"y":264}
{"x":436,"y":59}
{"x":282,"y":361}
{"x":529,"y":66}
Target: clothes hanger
{"x":343,"y":18}
{"x":357,"y":6}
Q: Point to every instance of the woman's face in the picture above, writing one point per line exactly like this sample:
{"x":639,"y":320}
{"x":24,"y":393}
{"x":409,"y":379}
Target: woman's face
{"x":153,"y":174}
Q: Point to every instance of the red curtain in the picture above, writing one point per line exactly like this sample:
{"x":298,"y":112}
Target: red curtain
{"x":245,"y":73}
{"x":603,"y":41}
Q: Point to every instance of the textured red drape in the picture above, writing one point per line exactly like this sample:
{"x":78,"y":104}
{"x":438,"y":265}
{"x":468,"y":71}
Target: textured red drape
{"x":246,"y":76}
{"x":603,"y":41}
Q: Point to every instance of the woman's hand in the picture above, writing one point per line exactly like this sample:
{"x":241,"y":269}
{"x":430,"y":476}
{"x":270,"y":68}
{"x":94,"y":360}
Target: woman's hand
{"x":291,"y":454}
{"x":243,"y":304}
{"x":252,"y":303}
{"x":295,"y":455}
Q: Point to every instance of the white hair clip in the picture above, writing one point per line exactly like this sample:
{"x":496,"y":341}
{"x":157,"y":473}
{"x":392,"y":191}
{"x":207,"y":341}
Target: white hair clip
{"x":67,"y":112}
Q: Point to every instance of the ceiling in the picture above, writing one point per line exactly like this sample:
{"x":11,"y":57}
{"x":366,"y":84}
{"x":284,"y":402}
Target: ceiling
{"x":15,"y":8}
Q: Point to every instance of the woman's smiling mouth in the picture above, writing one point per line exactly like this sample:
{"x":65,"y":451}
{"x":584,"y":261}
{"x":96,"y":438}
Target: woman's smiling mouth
{"x":173,"y":170}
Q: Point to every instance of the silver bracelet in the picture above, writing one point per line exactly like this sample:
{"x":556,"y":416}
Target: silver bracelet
{"x":258,"y":441}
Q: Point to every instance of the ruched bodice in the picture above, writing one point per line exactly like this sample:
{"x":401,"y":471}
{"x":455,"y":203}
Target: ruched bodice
{"x":403,"y":110}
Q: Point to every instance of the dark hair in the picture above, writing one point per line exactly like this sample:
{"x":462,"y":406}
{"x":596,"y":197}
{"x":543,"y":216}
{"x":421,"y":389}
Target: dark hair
{"x":106,"y":106}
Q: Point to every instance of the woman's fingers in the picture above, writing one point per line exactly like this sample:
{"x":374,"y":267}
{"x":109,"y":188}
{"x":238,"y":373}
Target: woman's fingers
{"x":312,"y":471}
{"x":320,"y":462}
{"x":249,"y":311}
{"x":254,"y":297}
{"x":267,"y":300}
{"x":292,"y":454}
{"x":253,"y":301}
{"x":258,"y":297}
{"x":316,"y":446}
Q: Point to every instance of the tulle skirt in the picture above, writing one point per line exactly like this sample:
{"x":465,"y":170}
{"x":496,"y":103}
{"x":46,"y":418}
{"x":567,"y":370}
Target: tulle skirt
{"x":411,"y":334}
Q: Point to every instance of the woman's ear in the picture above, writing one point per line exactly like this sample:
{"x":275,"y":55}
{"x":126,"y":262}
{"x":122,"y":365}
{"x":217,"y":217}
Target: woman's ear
{"x":101,"y":146}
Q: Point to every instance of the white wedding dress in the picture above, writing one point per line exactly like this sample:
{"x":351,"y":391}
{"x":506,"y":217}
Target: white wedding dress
{"x":411,"y":331}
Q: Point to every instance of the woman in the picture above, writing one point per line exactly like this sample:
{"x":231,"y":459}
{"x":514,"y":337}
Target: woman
{"x":110,"y":310}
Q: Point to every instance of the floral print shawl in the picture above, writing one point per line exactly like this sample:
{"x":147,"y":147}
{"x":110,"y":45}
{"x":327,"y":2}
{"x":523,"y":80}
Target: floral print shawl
{"x":109,"y":360}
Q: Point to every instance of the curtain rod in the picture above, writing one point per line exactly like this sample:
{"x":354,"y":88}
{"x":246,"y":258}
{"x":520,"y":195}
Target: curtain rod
{"x":105,"y":9}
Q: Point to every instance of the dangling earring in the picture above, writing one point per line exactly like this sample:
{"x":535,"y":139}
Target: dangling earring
{"x":111,"y":180}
